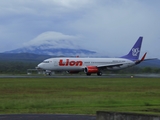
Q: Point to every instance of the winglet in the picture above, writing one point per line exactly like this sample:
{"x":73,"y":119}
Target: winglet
{"x":142,"y":59}
{"x":143,"y":56}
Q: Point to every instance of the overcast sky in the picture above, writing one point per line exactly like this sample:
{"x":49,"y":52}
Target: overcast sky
{"x":110,"y":27}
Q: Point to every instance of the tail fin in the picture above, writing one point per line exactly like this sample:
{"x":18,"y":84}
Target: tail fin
{"x":135,"y":51}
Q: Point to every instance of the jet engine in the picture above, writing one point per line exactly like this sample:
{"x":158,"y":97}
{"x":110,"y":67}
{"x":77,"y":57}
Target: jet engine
{"x":91,"y":69}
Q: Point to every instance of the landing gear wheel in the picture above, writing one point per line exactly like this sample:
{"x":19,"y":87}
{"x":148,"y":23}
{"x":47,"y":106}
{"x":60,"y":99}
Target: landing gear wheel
{"x":88,"y":74}
{"x":99,"y":74}
{"x":49,"y":73}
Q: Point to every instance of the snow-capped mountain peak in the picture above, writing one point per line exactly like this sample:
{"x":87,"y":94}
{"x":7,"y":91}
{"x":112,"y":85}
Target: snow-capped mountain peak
{"x":54,"y":43}
{"x":54,"y":39}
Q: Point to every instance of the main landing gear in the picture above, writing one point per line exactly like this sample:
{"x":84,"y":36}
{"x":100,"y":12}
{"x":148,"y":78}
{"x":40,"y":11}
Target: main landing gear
{"x":88,"y":74}
{"x":98,"y":73}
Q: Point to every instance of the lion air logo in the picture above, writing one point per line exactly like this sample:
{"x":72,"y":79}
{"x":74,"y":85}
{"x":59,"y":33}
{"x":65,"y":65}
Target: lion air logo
{"x":67,"y":62}
{"x":135,"y":51}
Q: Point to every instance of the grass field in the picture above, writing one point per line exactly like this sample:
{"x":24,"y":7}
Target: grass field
{"x":79,"y":95}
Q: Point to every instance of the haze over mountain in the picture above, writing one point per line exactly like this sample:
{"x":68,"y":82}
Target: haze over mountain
{"x":54,"y":43}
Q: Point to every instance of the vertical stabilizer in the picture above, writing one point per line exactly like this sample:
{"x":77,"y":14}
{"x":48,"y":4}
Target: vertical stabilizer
{"x":135,"y":51}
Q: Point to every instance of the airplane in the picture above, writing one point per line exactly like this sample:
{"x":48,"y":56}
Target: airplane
{"x":93,"y":65}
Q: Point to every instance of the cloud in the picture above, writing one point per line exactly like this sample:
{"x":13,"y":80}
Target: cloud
{"x":103,"y":25}
{"x":117,"y":25}
{"x":40,"y":7}
{"x":57,"y":39}
{"x":72,"y":3}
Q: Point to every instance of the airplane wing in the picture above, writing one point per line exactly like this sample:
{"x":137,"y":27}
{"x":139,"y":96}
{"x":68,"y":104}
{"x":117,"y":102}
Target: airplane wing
{"x":109,"y":65}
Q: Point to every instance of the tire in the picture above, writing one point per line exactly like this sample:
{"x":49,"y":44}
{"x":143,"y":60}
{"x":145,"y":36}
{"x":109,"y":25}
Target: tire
{"x":88,"y":74}
{"x":99,"y":73}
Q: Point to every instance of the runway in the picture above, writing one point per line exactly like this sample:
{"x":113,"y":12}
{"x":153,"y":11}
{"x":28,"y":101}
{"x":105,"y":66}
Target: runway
{"x":84,"y":76}
{"x":46,"y":117}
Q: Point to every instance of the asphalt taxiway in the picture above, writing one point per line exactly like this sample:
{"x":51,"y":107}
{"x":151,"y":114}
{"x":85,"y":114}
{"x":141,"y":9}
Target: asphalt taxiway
{"x":46,"y":117}
{"x":84,"y":76}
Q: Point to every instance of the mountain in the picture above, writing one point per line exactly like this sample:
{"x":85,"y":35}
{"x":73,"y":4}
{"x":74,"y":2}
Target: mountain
{"x":22,"y":57}
{"x":48,"y":50}
{"x":55,"y":44}
{"x":150,"y":63}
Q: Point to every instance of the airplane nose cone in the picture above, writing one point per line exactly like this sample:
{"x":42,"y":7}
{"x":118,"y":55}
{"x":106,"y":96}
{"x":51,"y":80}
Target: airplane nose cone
{"x":39,"y":66}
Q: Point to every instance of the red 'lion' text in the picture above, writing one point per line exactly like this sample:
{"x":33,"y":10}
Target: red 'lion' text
{"x":67,"y":62}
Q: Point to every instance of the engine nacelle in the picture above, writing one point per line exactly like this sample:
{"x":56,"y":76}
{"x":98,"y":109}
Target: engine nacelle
{"x":91,"y":69}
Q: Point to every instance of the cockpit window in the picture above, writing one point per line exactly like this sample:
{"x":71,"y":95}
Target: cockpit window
{"x":45,"y":61}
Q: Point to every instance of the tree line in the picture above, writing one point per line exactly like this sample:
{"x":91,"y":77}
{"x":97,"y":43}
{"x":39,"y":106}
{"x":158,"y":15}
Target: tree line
{"x":15,"y":67}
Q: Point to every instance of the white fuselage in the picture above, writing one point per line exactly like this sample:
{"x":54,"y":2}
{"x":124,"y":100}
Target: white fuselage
{"x":78,"y":64}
